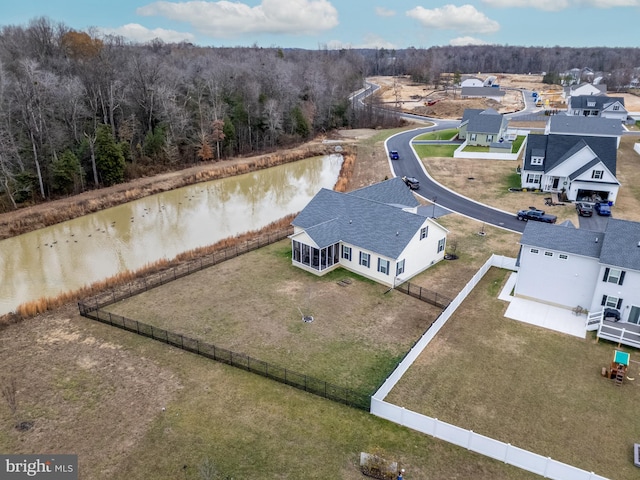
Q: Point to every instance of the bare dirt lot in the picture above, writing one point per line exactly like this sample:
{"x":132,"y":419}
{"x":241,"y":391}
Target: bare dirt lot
{"x":413,"y":97}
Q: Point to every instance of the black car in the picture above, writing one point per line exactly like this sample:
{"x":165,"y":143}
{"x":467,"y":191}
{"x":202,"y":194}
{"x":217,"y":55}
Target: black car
{"x":412,"y":182}
{"x":584,"y":209}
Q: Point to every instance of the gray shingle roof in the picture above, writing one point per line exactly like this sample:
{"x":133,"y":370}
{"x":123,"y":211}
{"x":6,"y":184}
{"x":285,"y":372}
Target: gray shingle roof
{"x":581,"y":125}
{"x":559,"y":148}
{"x":621,"y":246}
{"x":618,"y":245}
{"x":331,"y":217}
{"x":392,"y":192}
{"x":563,"y":239}
{"x":481,"y":92}
{"x":600,"y":101}
{"x":483,"y":121}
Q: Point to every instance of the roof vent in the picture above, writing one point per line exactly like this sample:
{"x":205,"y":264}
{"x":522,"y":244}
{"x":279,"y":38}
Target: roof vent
{"x":596,"y":239}
{"x":350,"y":221}
{"x":638,"y":244}
{"x":397,"y":233}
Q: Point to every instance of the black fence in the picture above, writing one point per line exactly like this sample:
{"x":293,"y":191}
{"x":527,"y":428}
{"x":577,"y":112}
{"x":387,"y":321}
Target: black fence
{"x":92,"y":309}
{"x":189,"y":267}
{"x":239,"y":360}
{"x":428,"y":296}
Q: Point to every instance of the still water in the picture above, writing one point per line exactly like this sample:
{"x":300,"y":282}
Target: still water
{"x":69,"y":255}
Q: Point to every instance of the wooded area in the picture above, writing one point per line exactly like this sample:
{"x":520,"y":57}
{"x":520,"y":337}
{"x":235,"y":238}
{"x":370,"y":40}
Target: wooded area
{"x":78,"y":111}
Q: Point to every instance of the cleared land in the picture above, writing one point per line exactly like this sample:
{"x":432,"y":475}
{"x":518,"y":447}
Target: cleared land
{"x":359,"y":331}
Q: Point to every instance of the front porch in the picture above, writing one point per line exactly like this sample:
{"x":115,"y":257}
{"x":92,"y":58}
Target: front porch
{"x":623,"y":333}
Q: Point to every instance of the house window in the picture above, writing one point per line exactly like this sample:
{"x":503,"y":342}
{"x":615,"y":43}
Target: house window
{"x":364,"y":259}
{"x":424,"y":231}
{"x":489,"y":138}
{"x":562,"y":256}
{"x":536,"y":160}
{"x":473,"y":137}
{"x":399,"y":267}
{"x":611,"y":302}
{"x":548,"y":254}
{"x":597,"y":174}
{"x":346,"y":252}
{"x":616,"y":107}
{"x":535,"y":251}
{"x":441,"y":244}
{"x":534,"y":177}
{"x":613,"y":275}
{"x":383,"y":266}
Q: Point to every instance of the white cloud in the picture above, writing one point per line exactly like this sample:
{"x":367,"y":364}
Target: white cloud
{"x":137,"y":33}
{"x":230,"y":19}
{"x":385,"y":12}
{"x":547,"y":5}
{"x":462,"y":41}
{"x":556,"y":5}
{"x":449,"y":17}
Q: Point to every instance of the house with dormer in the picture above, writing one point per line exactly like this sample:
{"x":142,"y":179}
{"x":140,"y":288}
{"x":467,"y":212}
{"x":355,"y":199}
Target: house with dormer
{"x":482,"y":127}
{"x":375,"y":231}
{"x":581,"y":167}
{"x":598,"y":271}
{"x":597,"y":106}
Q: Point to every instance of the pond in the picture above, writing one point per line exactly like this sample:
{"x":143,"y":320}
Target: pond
{"x":72,"y":254}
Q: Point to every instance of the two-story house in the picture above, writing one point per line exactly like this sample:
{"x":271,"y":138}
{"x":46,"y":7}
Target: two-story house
{"x":598,"y":271}
{"x":598,"y":106}
{"x":583,"y":126}
{"x":581,"y":167}
{"x":375,"y":231}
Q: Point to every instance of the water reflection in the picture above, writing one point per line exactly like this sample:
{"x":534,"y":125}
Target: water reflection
{"x":79,"y":252}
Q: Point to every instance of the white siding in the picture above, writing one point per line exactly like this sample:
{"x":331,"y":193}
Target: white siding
{"x":420,"y":254}
{"x":629,"y":291}
{"x":566,"y":283}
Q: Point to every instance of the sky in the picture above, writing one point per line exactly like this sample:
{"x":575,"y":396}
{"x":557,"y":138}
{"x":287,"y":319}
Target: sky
{"x":314,"y":24}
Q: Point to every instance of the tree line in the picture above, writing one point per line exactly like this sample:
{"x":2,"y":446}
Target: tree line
{"x":81,"y":111}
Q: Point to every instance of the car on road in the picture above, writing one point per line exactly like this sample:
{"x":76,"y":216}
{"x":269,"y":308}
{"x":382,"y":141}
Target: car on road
{"x":602,"y":208}
{"x":394,"y":155}
{"x":411,"y":182}
{"x":584,"y":209}
{"x":536,"y":215}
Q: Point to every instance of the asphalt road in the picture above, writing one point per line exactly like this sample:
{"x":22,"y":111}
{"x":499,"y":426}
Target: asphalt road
{"x":410,"y":165}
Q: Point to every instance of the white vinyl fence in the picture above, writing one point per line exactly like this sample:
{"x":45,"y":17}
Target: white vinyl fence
{"x":505,"y":452}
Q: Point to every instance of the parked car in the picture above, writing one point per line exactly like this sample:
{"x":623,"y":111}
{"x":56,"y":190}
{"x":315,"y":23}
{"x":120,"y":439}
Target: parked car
{"x":602,"y":208}
{"x":412,"y":182}
{"x":584,"y":209}
{"x":536,"y":215}
{"x":394,"y":155}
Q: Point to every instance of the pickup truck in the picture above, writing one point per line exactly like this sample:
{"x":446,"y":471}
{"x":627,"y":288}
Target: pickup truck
{"x":535,"y":215}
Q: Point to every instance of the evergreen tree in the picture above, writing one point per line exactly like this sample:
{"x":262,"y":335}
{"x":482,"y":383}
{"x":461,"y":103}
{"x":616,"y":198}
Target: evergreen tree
{"x":109,"y":158}
{"x":67,"y":174}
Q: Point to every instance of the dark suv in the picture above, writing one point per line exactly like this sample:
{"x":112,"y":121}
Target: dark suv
{"x":412,"y":182}
{"x":584,"y":209}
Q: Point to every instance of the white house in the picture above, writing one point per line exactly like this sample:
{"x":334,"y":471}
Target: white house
{"x":470,"y":81}
{"x":598,"y":271}
{"x":375,"y":232}
{"x":494,"y":93}
{"x":598,"y":106}
{"x":582,"y":167}
{"x":584,"y":89}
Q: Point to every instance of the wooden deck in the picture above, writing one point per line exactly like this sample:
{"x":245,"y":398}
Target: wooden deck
{"x":621,"y":332}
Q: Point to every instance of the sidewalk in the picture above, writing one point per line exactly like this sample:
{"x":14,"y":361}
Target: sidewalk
{"x":540,"y":314}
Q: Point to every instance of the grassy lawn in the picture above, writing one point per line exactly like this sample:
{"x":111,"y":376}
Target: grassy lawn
{"x":534,"y":388}
{"x":252,"y":305}
{"x":476,"y":148}
{"x":425,"y":151}
{"x":448,"y":134}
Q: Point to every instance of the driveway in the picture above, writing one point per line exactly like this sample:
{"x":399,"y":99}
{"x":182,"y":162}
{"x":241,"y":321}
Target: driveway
{"x":595,"y":223}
